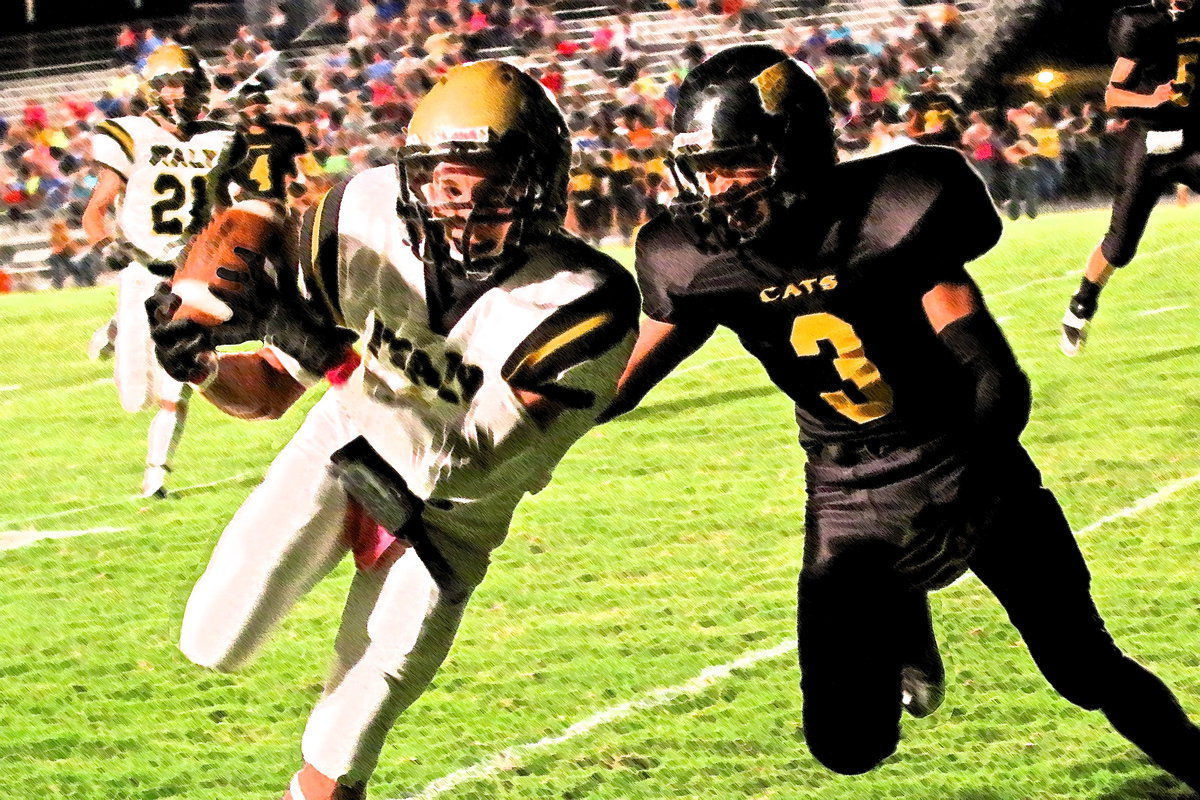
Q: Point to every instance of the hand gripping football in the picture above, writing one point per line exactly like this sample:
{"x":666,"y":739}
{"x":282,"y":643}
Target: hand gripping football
{"x":225,"y":265}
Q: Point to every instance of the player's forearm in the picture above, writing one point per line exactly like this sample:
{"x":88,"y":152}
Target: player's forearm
{"x":252,"y":386}
{"x":659,"y":349}
{"x":95,"y":226}
{"x":1116,"y":98}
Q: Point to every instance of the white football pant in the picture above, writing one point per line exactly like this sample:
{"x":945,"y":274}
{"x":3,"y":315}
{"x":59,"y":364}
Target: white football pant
{"x":140,"y":380}
{"x":397,"y":625}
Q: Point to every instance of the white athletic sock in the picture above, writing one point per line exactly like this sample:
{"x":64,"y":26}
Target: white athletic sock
{"x":165,"y":431}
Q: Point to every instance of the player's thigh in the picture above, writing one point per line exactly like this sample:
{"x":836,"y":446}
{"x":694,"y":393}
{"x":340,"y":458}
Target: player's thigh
{"x":282,"y":540}
{"x":1029,"y":559}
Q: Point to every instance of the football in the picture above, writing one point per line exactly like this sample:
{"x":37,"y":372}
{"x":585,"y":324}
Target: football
{"x":228,"y":255}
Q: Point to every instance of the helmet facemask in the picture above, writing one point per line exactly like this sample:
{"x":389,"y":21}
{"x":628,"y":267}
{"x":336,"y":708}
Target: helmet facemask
{"x":725,"y":212}
{"x":467,"y":212}
{"x":175,"y":85}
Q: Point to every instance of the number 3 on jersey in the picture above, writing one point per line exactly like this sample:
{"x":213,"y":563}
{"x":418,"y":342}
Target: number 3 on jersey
{"x":851,"y":362}
{"x":174,"y":196}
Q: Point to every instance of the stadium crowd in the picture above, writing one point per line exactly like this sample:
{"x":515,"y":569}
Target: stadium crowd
{"x":352,"y":101}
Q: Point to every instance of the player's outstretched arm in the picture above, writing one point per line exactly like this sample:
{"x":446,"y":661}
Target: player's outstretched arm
{"x":967,"y":329}
{"x":659,"y":349}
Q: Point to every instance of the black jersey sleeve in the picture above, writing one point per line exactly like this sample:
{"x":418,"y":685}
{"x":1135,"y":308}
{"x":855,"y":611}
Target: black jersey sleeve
{"x":962,"y":222}
{"x":926,"y":214}
{"x":1125,"y":35}
{"x":665,"y":263}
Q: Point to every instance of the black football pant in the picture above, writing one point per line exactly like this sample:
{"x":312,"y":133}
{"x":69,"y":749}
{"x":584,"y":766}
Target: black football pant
{"x":1141,"y":181}
{"x":859,"y":622}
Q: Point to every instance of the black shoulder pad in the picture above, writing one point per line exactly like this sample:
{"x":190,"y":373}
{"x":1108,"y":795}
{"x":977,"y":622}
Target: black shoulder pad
{"x":666,"y":260}
{"x":927,"y":200}
{"x":1125,"y":34}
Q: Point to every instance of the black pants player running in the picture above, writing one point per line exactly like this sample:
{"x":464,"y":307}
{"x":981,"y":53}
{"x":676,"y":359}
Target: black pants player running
{"x":1157,"y":46}
{"x":909,"y":399}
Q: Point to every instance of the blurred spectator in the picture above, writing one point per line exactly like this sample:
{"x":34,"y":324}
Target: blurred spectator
{"x":979,"y":143}
{"x":126,"y":47}
{"x":67,"y":258}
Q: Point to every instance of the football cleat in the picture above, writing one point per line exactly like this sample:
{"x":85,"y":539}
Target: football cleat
{"x":100,"y":346}
{"x":154,"y":483}
{"x":1074,"y":333}
{"x":920,"y":693}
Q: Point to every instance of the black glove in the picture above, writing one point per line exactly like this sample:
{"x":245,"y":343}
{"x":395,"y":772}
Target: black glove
{"x":116,"y":255}
{"x":184,"y":348}
{"x":297,"y":327}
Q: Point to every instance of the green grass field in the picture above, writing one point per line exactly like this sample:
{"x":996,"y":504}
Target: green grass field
{"x":668,"y":543}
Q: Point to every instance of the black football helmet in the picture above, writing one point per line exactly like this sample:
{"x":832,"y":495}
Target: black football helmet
{"x":750,"y":105}
{"x":251,"y":103}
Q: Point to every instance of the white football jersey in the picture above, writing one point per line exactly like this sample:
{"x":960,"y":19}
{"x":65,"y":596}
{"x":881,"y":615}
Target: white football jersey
{"x":434,"y":394}
{"x":166,"y":197}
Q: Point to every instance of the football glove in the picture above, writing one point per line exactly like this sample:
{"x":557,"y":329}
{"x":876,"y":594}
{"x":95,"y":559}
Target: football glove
{"x":184,"y":348}
{"x":116,"y":254}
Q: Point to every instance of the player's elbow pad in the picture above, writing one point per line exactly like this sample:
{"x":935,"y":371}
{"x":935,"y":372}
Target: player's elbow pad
{"x":1003,"y":396}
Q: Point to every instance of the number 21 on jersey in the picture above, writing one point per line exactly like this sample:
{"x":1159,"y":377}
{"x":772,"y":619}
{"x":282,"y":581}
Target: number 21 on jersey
{"x":851,"y":362}
{"x":172,"y":196}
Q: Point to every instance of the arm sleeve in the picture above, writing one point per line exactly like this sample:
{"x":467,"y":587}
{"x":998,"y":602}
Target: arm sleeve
{"x":222,"y":175}
{"x":112,"y":146}
{"x":553,"y":360}
{"x":307,"y":323}
{"x":1003,"y":397}
{"x":318,"y":273}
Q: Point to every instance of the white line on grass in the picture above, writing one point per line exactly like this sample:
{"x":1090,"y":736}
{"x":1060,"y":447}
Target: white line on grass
{"x":11,"y":540}
{"x":1162,"y":310}
{"x":507,"y":759}
{"x":17,"y":523}
{"x":510,"y":757}
{"x":11,"y":388}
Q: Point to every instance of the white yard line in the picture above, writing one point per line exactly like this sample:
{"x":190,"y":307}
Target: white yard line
{"x":10,"y":388}
{"x":511,"y":757}
{"x":18,"y":523}
{"x":11,"y":540}
{"x":1162,"y":310}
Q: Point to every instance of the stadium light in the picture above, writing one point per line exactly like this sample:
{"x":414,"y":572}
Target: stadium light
{"x":1047,"y":81}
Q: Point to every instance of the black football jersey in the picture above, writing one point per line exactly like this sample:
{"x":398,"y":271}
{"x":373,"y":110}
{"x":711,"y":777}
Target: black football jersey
{"x":260,"y":163}
{"x":1164,"y":50}
{"x":829,"y":297}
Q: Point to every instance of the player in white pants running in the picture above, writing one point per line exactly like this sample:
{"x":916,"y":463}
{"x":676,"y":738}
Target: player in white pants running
{"x":491,"y":339}
{"x":155,"y":179}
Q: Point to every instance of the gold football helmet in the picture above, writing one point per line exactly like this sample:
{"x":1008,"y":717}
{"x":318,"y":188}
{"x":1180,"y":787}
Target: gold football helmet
{"x":491,"y":116}
{"x":175,"y":83}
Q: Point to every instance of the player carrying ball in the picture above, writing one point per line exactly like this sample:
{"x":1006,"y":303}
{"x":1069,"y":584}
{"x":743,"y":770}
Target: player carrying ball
{"x":848,"y":283}
{"x":492,"y":341}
